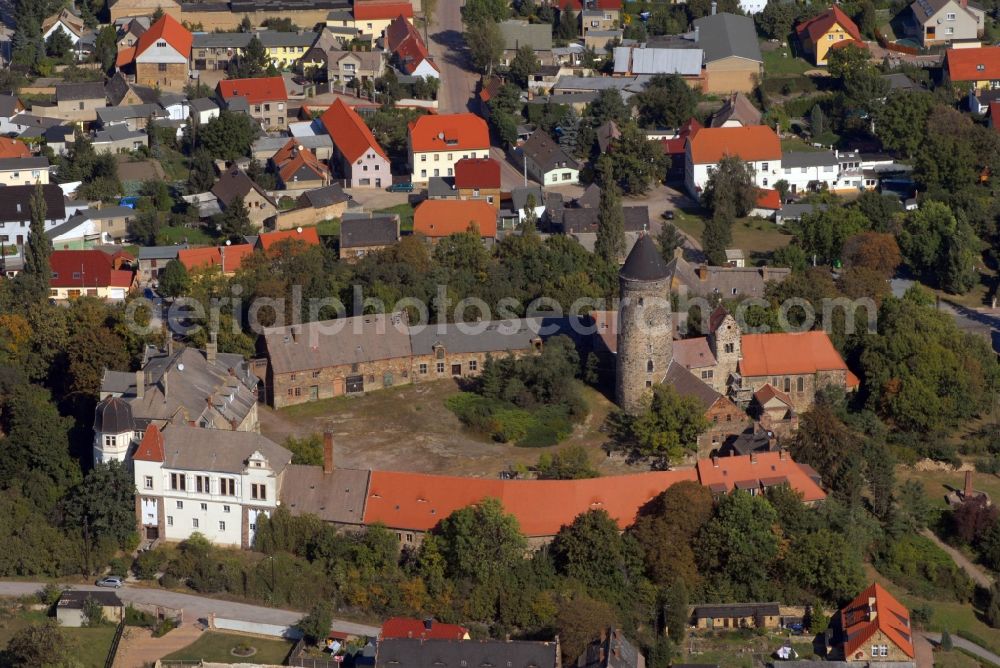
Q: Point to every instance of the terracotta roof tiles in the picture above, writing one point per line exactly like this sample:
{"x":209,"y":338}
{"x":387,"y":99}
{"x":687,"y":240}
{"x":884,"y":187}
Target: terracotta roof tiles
{"x":449,"y":132}
{"x":820,"y":25}
{"x":750,"y":469}
{"x":973,"y":64}
{"x":873,"y":610}
{"x":264,"y":89}
{"x":444,"y":217}
{"x":783,"y":354}
{"x":169,"y":30}
{"x":477,"y":173}
{"x":751,"y":144}
{"x":349,"y":132}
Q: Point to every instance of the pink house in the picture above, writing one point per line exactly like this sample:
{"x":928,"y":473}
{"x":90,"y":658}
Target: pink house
{"x":362,"y":162}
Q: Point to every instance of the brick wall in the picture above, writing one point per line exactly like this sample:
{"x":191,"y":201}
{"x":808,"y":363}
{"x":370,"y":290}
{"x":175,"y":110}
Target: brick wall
{"x":174,"y":78}
{"x":332,"y":381}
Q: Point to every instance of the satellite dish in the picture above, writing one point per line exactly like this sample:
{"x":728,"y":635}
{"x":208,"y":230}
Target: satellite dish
{"x":299,"y":230}
{"x":229,"y":242}
{"x":441,"y":135}
{"x":180,"y":367}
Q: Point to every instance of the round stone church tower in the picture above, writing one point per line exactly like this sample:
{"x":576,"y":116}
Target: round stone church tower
{"x":645,"y":328}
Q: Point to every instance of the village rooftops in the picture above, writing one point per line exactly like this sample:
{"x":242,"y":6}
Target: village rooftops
{"x":751,"y":144}
{"x":757,"y":472}
{"x":216,"y":450}
{"x":449,"y":132}
{"x":785,"y":354}
{"x":726,"y":35}
{"x":369,"y":232}
{"x":498,"y":336}
{"x":980,"y":64}
{"x":419,"y":653}
{"x":337,"y":496}
{"x":254,"y":91}
{"x":426,"y":629}
{"x":875,"y":611}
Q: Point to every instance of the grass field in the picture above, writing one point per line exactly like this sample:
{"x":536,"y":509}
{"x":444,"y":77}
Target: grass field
{"x":88,"y":646}
{"x":776,"y":63}
{"x":796,"y":144}
{"x":217,"y":647}
{"x":954,"y":659}
{"x":192,"y":235}
{"x":405,"y":212}
{"x":752,"y":235}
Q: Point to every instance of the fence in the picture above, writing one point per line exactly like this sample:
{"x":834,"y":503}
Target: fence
{"x":108,"y":662}
{"x":884,"y":42}
{"x":295,"y":658}
{"x":240,"y":626}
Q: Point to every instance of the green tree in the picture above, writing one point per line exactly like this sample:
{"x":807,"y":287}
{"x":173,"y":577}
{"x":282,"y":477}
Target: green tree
{"x":570,"y":463}
{"x":822,"y":233}
{"x":609,"y":106}
{"x":478,"y":12}
{"x":234,"y":223}
{"x":992,"y":612}
{"x":635,"y":164}
{"x":666,"y":528}
{"x":946,"y":642}
{"x":866,"y":18}
{"x":58,"y":45}
{"x":730,"y":188}
{"x":593,"y":551}
{"x":524,"y":64}
{"x":102,"y":507}
{"x":670,"y":239}
{"x":106,"y":47}
{"x":717,"y":237}
{"x":33,"y":280}
{"x":941,"y":248}
{"x":315,"y":626}
{"x":817,"y":121}
{"x":740,"y":546}
{"x":833,"y":449}
{"x":824,"y":563}
{"x":38,"y":645}
{"x":144,"y":228}
{"x":486,"y":45}
{"x":777,"y":19}
{"x":669,"y":427}
{"x":174,"y":280}
{"x":901,"y":122}
{"x":481,"y":542}
{"x":675,"y":610}
{"x":916,"y":508}
{"x":307,"y":450}
{"x":666,"y":102}
{"x":228,"y":136}
{"x":567,"y":28}
{"x":610,"y":243}
{"x":579,"y":621}
{"x":254,"y":62}
{"x":201,"y":178}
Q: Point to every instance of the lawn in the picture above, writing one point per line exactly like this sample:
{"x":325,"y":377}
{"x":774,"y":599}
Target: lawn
{"x":796,"y":144}
{"x":89,"y":646}
{"x":954,"y":659}
{"x":216,"y":647}
{"x":777,"y":63}
{"x":329,"y":228}
{"x":739,"y":648}
{"x":753,"y":235}
{"x":193,"y":235}
{"x":405,"y":212}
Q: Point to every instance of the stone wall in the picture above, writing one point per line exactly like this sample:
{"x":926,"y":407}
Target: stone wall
{"x":332,"y":381}
{"x":645,"y":340}
{"x":725,"y":419}
{"x":802,"y":399}
{"x":174,"y":78}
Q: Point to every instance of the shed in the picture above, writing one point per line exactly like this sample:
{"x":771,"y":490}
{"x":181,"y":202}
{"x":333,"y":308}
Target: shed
{"x":70,"y":608}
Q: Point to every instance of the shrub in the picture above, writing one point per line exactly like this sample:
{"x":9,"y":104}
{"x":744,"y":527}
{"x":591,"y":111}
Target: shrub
{"x":49,"y":594}
{"x":149,"y":563}
{"x":134,"y":617}
{"x":119,"y":566}
{"x":164,"y":627}
{"x":168,"y":581}
{"x":916,"y":563}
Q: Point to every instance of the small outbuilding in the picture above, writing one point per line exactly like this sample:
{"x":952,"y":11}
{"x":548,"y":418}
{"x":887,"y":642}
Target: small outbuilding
{"x":70,"y":610}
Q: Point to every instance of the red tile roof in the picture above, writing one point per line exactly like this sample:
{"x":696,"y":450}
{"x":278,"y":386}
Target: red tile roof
{"x":768,"y":198}
{"x":820,"y":25}
{"x":749,"y":470}
{"x":168,"y":29}
{"x":306,"y":235}
{"x":783,"y":354}
{"x":292,"y":157}
{"x":679,"y":144}
{"x":264,"y":89}
{"x":419,"y":501}
{"x":477,"y":173}
{"x":407,"y":627}
{"x":751,"y":144}
{"x":449,"y":132}
{"x":443,"y":217}
{"x":381,"y":10}
{"x":11,"y":148}
{"x":150,"y":448}
{"x":90,"y":269}
{"x":768,"y":392}
{"x":873,"y":610}
{"x":411,"y":53}
{"x":398,"y":32}
{"x":228,"y":258}
{"x":125,"y":57}
{"x":577,"y":5}
{"x":349,"y":132}
{"x":973,"y":64}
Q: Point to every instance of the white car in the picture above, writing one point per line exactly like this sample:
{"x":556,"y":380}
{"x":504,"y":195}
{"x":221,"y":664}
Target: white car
{"x":112,"y":581}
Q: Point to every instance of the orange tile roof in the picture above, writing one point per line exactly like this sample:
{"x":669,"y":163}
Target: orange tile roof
{"x":125,"y":57}
{"x":890,"y":617}
{"x":477,"y":173}
{"x":11,"y":148}
{"x":679,"y":143}
{"x":754,"y":143}
{"x":444,"y":217}
{"x":382,"y":10}
{"x":973,"y":64}
{"x":419,"y":501}
{"x":768,"y":392}
{"x":820,"y":25}
{"x":150,"y":448}
{"x":349,"y":132}
{"x":407,"y":627}
{"x":449,"y":132}
{"x":783,"y":354}
{"x":768,"y":198}
{"x":168,"y":29}
{"x":229,"y":258}
{"x":292,"y":157}
{"x":91,"y":268}
{"x":264,"y":89}
{"x":726,"y":472}
{"x":307,"y":235}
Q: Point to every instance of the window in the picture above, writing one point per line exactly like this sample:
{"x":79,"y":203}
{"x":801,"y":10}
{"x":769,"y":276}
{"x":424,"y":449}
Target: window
{"x":423,"y":157}
{"x":440,"y":353}
{"x":830,"y":37}
{"x":258,"y":491}
{"x":170,"y":520}
{"x":267,"y":107}
{"x":800,"y":385}
{"x":437,"y":157}
{"x":81,"y":105}
{"x":227,"y":486}
{"x":874,"y":650}
{"x":148,"y":482}
{"x":763,"y":166}
{"x":764,"y":182}
{"x":729,"y":348}
{"x":440,"y":367}
{"x":315,"y":374}
{"x":950,"y":16}
{"x":422,"y":369}
{"x":649,"y":366}
{"x":450,"y":157}
{"x":178,"y":481}
{"x":253,"y":526}
{"x":883,"y":650}
{"x":473,"y":365}
{"x":706,"y":375}
{"x":162,"y":44}
{"x":194,"y":522}
{"x":788,"y":384}
{"x":161,"y":67}
{"x":202,"y":483}
{"x":180,"y":505}
{"x":949,"y":31}
{"x":423,"y":172}
{"x":222,"y":526}
{"x":109,"y":441}
{"x":298,"y":391}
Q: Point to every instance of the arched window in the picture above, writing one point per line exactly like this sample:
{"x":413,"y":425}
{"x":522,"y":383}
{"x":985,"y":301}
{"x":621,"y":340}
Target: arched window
{"x":800,"y":384}
{"x":649,"y":366}
{"x":440,"y":353}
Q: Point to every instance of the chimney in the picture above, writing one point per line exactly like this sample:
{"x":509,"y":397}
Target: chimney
{"x":170,"y":344}
{"x":295,"y":333}
{"x":703,"y":272}
{"x":783,"y":455}
{"x":753,"y":457}
{"x":872,"y":611}
{"x":140,"y":384}
{"x":211,"y":348}
{"x":328,"y":456}
{"x":165,"y":375}
{"x":715,"y":7}
{"x":764,"y":273}
{"x":715,"y":461}
{"x":969,"y":491}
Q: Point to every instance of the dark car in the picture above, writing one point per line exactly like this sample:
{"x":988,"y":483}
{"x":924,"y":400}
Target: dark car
{"x":405,"y":187}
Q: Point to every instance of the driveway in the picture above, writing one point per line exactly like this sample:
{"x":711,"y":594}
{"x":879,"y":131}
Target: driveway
{"x":969,"y":647}
{"x":511,"y":175}
{"x":447,"y":48}
{"x":373,"y":199}
{"x":197,"y":607}
{"x":977,"y":574}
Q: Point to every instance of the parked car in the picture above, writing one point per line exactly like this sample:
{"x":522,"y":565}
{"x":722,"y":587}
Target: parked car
{"x":112,"y":581}
{"x":406,"y":187}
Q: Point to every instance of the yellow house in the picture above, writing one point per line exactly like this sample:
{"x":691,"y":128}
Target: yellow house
{"x":736,"y":616}
{"x":974,"y":68}
{"x":285,"y":48}
{"x":24,"y":171}
{"x":831,"y":29}
{"x":374,"y":18}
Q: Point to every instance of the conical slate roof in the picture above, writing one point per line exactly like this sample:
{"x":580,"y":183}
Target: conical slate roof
{"x":644,"y":263}
{"x":113,"y":416}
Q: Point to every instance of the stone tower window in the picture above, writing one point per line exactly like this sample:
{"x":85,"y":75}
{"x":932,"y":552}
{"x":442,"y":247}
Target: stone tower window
{"x":649,"y":366}
{"x":640,"y":301}
{"x":730,"y":347}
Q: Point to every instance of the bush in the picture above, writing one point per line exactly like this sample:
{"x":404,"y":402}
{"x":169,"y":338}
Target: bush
{"x":134,"y":617}
{"x":120,"y":566}
{"x":164,"y":627}
{"x":168,"y":581}
{"x":49,"y":594}
{"x":916,"y":563}
{"x":149,"y":563}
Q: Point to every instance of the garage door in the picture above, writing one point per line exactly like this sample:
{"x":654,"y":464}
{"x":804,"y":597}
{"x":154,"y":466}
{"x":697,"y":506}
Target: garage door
{"x":355,"y":384}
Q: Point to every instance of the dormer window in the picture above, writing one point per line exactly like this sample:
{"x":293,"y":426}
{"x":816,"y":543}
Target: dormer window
{"x":161,"y":44}
{"x":980,"y":68}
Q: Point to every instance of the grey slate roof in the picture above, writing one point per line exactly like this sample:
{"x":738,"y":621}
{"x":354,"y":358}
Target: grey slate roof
{"x":809,"y":159}
{"x":220,"y":40}
{"x":899,"y":81}
{"x":273,"y":144}
{"x":15,"y":205}
{"x":724,"y":35}
{"x":337,"y":497}
{"x":160,"y":252}
{"x":687,"y":384}
{"x":74,"y":599}
{"x":107,"y":212}
{"x":547,"y":154}
{"x":745,"y":281}
{"x":577,"y":221}
{"x":519,"y":196}
{"x":497,"y":336}
{"x":128,"y":111}
{"x":203,"y":104}
{"x":518,"y":33}
{"x":325,"y":196}
{"x":414,"y":653}
{"x":113,"y":415}
{"x":7,"y":164}
{"x":89,"y":90}
{"x":117,"y":133}
{"x":612,"y":650}
{"x":218,"y":450}
{"x":735,"y":610}
{"x":8,"y":105}
{"x":235,"y":183}
{"x":366,"y":232}
{"x":274,"y":38}
{"x":645,"y":262}
{"x":441,"y":187}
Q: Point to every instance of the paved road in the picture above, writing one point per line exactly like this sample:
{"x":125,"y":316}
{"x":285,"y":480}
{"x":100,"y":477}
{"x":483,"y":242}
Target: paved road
{"x":447,"y":48}
{"x":511,"y":175}
{"x":197,"y":607}
{"x":979,"y":576}
{"x":969,"y":647}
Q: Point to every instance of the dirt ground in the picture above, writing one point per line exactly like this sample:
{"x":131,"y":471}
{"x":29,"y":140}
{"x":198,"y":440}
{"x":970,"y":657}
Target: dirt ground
{"x":408,"y":428}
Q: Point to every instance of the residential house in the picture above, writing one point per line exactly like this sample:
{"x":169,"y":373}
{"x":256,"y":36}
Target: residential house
{"x":373,"y":18}
{"x":345,"y":66}
{"x":15,"y":211}
{"x":933,"y":22}
{"x":758,"y":146}
{"x":119,"y":139}
{"x":635,"y":60}
{"x":438,"y":141}
{"x":436,"y":219}
{"x":134,"y":117}
{"x":733,"y":62}
{"x":520,"y":33}
{"x":12,"y":148}
{"x":598,"y":40}
{"x":725,"y":419}
{"x":736,"y":112}
{"x":66,"y":21}
{"x":519,"y":202}
{"x":547,"y":162}
{"x":731,"y":616}
{"x":286,"y":48}
{"x":234,"y":184}
{"x":768,"y":205}
{"x":203,"y":110}
{"x":120,"y":92}
{"x":226,"y":258}
{"x":71,"y":608}
{"x":24,"y":171}
{"x":975,"y":68}
{"x":830,"y":29}
{"x":675,"y":147}
{"x":75,"y":102}
{"x":775,"y":412}
{"x":810,"y":170}
{"x":874,"y":627}
{"x":729,"y":282}
{"x":755,"y":474}
{"x":611,"y":650}
{"x":160,"y":56}
{"x":601,"y":20}
{"x":409,"y":53}
{"x":478,"y":178}
{"x":424,"y":629}
{"x":177,"y":386}
{"x":108,"y":225}
{"x":130,"y":32}
{"x":360,"y":160}
{"x":264,"y":99}
{"x":298,"y":169}
{"x":10,"y":106}
{"x":214,"y":51}
{"x":152,"y":260}
{"x":417,"y":652}
{"x":269,"y":242}
{"x":90,"y":273}
{"x":215,"y":484}
{"x":364,"y":234}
